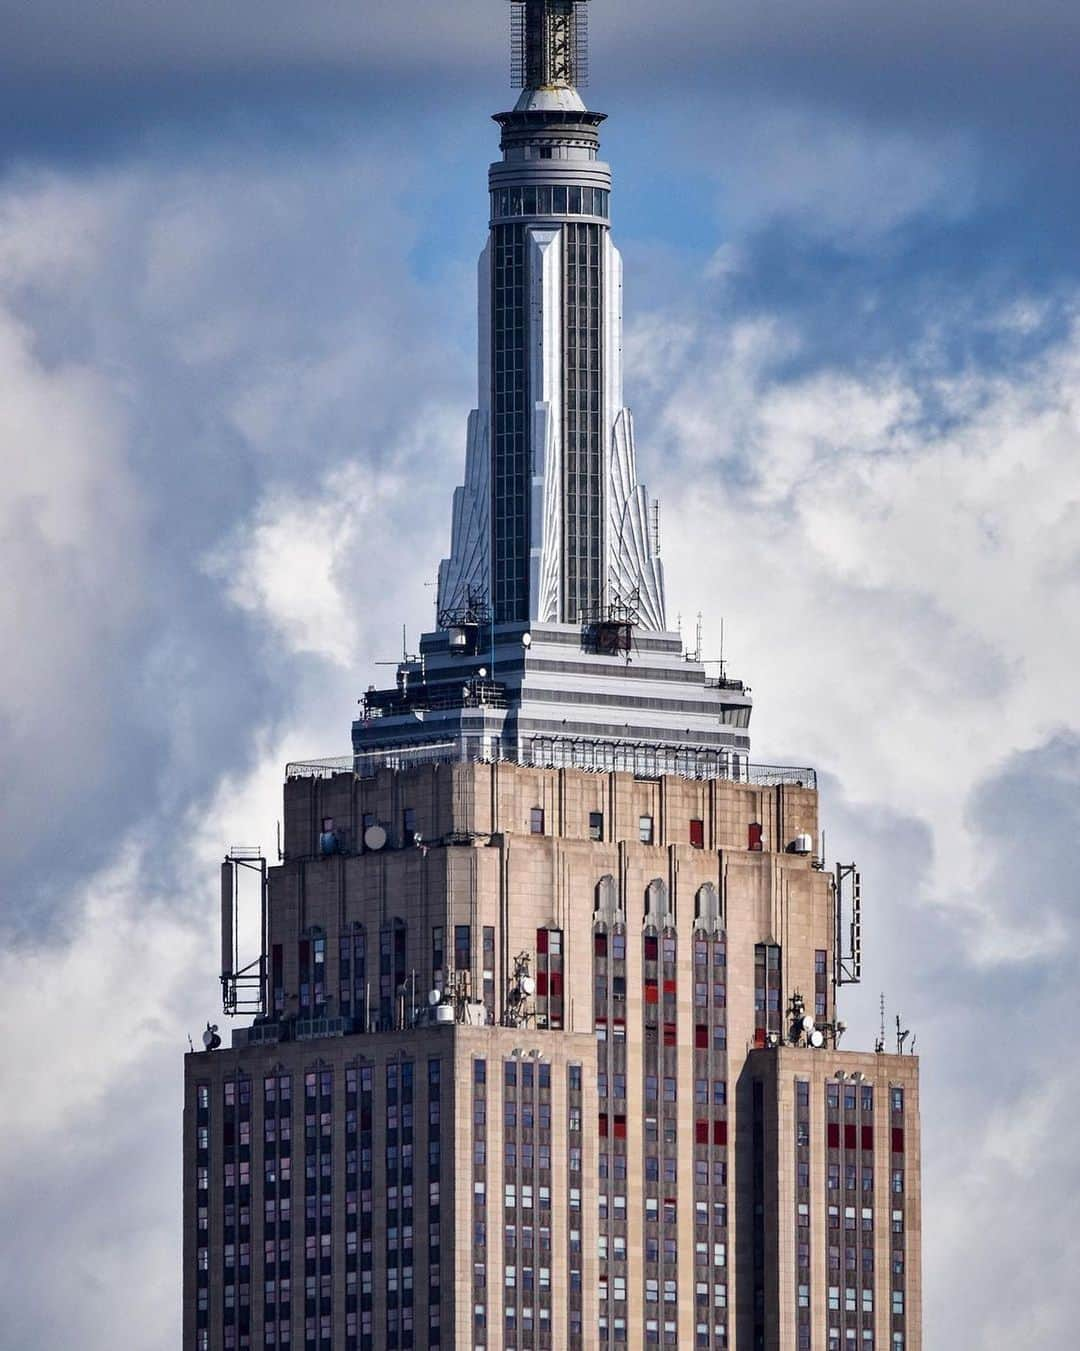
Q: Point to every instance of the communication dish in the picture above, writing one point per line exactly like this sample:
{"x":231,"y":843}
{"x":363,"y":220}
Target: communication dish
{"x":528,"y":985}
{"x":374,"y":837}
{"x":526,"y":640}
{"x":817,"y":1039}
{"x":807,"y":1023}
{"x":434,"y":997}
{"x":210,"y":1039}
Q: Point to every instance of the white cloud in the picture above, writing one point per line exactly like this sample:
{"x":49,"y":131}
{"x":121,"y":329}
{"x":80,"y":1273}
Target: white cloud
{"x":906,"y":572}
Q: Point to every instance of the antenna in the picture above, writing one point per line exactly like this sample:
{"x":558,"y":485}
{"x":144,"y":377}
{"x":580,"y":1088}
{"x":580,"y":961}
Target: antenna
{"x":549,"y":43}
{"x":848,"y":960}
{"x":243,"y":987}
{"x":656,"y":527}
{"x":722,"y":648}
{"x":697,"y":635}
{"x":902,"y":1034}
{"x":879,"y":1045}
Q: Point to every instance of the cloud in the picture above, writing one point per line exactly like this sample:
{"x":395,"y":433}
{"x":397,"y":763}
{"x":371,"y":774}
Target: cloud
{"x":187,"y":350}
{"x":909,"y":523}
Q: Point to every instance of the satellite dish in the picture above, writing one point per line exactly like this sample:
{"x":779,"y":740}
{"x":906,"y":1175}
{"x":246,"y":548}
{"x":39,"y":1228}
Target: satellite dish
{"x":434,"y":997}
{"x":374,"y":837}
{"x":528,"y":985}
{"x":482,"y":672}
{"x":526,"y":640}
{"x":817,"y":1039}
{"x":210,"y":1039}
{"x":807,"y":1023}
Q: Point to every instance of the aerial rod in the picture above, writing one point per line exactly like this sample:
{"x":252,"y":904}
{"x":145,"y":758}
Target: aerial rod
{"x":549,"y":44}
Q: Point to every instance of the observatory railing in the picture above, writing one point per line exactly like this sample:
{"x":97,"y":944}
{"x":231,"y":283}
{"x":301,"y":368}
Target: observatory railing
{"x":642,"y":760}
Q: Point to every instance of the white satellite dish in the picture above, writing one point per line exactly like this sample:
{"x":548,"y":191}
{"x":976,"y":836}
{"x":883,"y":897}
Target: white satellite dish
{"x":526,"y":640}
{"x":210,"y":1039}
{"x":817,"y":1039}
{"x":374,"y":837}
{"x":434,"y":997}
{"x":807,"y":1023}
{"x":528,"y":985}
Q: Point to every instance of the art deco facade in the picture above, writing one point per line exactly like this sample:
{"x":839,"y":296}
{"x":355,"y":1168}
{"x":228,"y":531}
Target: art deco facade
{"x":544,"y":1047}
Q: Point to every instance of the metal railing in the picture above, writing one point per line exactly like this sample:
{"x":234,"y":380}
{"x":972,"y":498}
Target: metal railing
{"x":647,"y":761}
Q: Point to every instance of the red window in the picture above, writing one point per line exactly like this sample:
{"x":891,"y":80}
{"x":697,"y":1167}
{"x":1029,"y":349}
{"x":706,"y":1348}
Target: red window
{"x":833,"y":1135}
{"x":541,"y":940}
{"x":600,"y":945}
{"x":753,"y":838}
{"x":669,"y":1034}
{"x":849,"y":1138}
{"x":719,"y":1132}
{"x":701,"y":1132}
{"x":620,"y":1128}
{"x":602,"y":1124}
{"x":759,"y":1037}
{"x":542,"y":983}
{"x":650,"y":947}
{"x":868,"y":1137}
{"x":697,"y":834}
{"x":556,"y":984}
{"x":652,"y":995}
{"x":898,"y":1140}
{"x":669,"y":987}
{"x":701,"y":1037}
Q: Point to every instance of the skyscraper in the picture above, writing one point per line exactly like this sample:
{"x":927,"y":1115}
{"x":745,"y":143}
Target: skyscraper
{"x":544,"y":1048}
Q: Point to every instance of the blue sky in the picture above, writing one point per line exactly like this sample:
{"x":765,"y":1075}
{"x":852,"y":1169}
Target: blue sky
{"x":237,"y":328}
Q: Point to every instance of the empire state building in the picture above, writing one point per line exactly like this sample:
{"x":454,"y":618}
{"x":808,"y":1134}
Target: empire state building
{"x":539,"y":1046}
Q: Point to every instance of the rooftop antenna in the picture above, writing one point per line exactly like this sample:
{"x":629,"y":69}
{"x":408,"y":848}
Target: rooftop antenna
{"x":902,"y":1034}
{"x":656,"y":527}
{"x":879,"y":1045}
{"x":697,"y":635}
{"x":549,"y":43}
{"x":721,"y":647}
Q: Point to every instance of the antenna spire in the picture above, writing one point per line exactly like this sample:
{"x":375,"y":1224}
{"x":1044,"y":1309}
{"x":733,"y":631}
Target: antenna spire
{"x":549,"y":44}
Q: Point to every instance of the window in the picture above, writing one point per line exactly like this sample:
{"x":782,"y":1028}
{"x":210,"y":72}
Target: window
{"x":462,"y":947}
{"x":408,"y":823}
{"x":645,"y":829}
{"x":596,"y":825}
{"x":536,"y":821}
{"x":767,"y":1011}
{"x":754,"y":833}
{"x":697,"y":834}
{"x":549,"y":978}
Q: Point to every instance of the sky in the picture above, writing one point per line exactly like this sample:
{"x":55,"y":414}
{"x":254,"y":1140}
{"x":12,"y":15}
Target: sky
{"x":237,"y":351}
